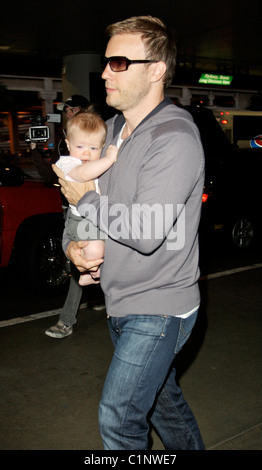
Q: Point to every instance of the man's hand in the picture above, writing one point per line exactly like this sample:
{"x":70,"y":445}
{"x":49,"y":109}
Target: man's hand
{"x":74,"y":253}
{"x":73,"y":191}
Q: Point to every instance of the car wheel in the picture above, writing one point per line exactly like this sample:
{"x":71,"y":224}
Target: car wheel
{"x":243,"y":233}
{"x":42,"y":265}
{"x":49,"y":268}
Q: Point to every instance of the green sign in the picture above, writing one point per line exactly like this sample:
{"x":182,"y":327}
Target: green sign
{"x":211,"y":79}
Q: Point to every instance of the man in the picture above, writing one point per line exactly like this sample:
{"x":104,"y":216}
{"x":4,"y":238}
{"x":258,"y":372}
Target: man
{"x":150,"y":207}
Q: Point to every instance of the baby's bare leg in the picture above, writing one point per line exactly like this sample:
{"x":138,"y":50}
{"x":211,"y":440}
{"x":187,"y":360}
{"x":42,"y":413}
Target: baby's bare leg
{"x":94,"y":250}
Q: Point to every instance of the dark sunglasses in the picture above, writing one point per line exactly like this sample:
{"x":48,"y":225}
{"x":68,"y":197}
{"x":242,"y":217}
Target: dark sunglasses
{"x":120,"y":64}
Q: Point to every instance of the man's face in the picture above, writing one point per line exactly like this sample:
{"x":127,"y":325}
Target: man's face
{"x":125,"y":90}
{"x":70,"y":112}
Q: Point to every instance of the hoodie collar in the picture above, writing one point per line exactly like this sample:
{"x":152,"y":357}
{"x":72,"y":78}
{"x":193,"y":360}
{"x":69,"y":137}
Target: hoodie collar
{"x":120,"y":120}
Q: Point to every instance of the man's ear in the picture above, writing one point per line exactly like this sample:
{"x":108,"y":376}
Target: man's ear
{"x":159,"y":69}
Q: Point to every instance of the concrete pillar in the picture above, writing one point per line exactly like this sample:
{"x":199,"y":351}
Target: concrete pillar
{"x":185,"y":99}
{"x":211,"y":98}
{"x":48,"y":95}
{"x":76,"y":73}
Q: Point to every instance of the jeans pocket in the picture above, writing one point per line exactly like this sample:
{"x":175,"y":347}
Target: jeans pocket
{"x":185,"y":329}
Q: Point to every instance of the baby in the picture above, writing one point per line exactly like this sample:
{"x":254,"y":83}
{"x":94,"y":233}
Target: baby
{"x":86,"y":133}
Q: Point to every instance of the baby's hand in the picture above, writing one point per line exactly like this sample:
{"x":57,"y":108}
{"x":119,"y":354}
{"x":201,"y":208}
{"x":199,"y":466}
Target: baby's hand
{"x":111,"y":153}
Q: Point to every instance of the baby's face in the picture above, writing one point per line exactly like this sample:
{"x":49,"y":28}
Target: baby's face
{"x":86,"y":147}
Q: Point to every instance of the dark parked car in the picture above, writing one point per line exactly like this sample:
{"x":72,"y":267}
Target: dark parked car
{"x":232,"y":195}
{"x":31,"y":227}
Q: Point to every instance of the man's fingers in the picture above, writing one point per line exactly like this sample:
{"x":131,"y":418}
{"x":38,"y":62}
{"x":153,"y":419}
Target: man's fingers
{"x":58,"y":172}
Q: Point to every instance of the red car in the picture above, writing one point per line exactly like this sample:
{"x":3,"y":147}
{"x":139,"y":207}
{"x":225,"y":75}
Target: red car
{"x":31,"y":226}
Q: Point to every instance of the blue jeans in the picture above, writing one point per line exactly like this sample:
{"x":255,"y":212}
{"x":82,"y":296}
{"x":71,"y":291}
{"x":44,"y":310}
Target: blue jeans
{"x":140,"y":385}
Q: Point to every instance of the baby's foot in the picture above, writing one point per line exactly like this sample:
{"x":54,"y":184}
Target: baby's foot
{"x":85,"y":279}
{"x":95,"y":274}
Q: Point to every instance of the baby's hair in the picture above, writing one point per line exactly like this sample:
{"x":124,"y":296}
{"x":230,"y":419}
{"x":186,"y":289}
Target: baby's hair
{"x":87,"y":121}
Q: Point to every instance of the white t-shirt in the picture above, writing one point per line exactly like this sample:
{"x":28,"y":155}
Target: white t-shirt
{"x":66,"y":164}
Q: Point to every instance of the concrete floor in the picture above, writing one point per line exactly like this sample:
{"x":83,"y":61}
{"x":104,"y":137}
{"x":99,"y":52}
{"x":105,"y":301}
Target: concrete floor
{"x":50,"y":389}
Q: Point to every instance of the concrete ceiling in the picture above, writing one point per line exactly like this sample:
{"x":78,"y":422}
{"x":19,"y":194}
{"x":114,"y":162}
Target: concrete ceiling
{"x":212,"y":35}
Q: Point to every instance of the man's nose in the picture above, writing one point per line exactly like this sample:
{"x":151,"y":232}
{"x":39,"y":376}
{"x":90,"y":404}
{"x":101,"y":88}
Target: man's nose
{"x":107,"y":72}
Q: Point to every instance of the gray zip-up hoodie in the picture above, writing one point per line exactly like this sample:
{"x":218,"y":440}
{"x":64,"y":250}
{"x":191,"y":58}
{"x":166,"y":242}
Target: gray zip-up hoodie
{"x":150,"y":208}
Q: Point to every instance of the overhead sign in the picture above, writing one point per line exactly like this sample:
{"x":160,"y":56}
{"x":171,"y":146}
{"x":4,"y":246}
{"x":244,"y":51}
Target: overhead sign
{"x":211,"y":79}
